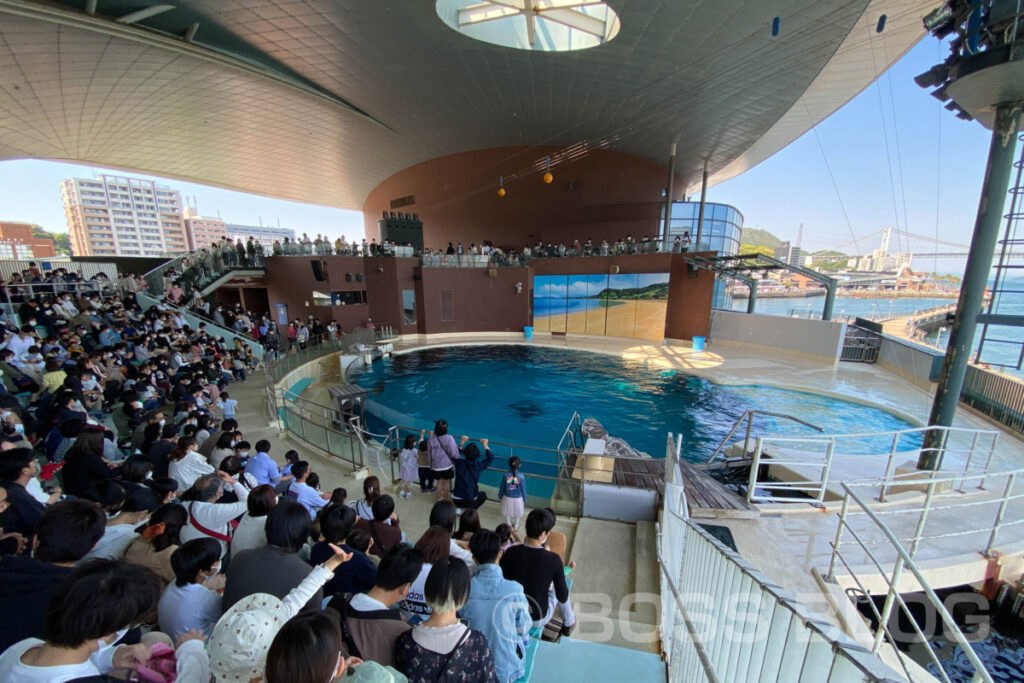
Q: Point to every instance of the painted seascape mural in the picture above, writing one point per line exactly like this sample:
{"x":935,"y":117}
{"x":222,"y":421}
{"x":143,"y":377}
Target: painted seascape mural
{"x":623,"y":305}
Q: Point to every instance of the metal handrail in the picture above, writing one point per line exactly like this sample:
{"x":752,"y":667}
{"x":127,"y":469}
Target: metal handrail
{"x":749,"y":417}
{"x":885,"y":481}
{"x":695,"y":568}
{"x":905,"y":561}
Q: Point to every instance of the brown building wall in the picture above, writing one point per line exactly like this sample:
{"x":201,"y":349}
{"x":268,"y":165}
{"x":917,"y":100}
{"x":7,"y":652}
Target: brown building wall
{"x":290,"y":281}
{"x":480,"y":303}
{"x":21,"y":234}
{"x":385,"y":280}
{"x":601,"y":195}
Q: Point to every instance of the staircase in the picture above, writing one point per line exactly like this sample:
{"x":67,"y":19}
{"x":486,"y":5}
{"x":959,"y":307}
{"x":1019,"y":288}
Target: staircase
{"x":615,"y":591}
{"x":147,"y":302}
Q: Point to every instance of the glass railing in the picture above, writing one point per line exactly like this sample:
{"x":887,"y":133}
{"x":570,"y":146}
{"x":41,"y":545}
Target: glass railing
{"x":295,"y":357}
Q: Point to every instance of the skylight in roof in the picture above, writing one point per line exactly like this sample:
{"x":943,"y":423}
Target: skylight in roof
{"x":546,"y":25}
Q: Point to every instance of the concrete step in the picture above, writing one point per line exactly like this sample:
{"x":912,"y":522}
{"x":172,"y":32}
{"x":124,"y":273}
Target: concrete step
{"x":646,"y":579}
{"x":618,"y":628}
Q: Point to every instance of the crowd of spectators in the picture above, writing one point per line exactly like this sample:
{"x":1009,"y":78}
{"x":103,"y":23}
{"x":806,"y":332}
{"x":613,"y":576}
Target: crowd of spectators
{"x":144,"y":536}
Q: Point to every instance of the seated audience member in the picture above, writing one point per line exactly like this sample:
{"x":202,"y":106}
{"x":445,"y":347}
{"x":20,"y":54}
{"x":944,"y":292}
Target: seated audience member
{"x":466,"y":493}
{"x":88,"y":612}
{"x":240,"y":640}
{"x":498,"y":608}
{"x":224,"y":448}
{"x":186,"y":464}
{"x":508,"y":536}
{"x":11,"y":543}
{"x":306,"y":651}
{"x":371,"y":491}
{"x":336,"y":526}
{"x":208,"y":444}
{"x":158,"y":541}
{"x":369,"y":625}
{"x":276,"y":567}
{"x":18,"y":467}
{"x":261,"y":465}
{"x":192,"y":600}
{"x":84,"y":464}
{"x":469,"y":524}
{"x":434,"y":547}
{"x":64,"y":534}
{"x":301,"y":491}
{"x":232,"y":465}
{"x":159,"y":453}
{"x":120,"y":531}
{"x":251,"y":531}
{"x":290,"y":457}
{"x":383,"y":527}
{"x":442,"y":648}
{"x":540,"y":572}
{"x":444,"y":514}
{"x":205,"y":516}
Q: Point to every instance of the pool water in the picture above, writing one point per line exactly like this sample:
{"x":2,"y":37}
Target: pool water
{"x":526,"y":395}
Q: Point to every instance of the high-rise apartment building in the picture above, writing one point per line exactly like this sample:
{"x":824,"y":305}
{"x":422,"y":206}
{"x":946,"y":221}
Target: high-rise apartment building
{"x":203,"y":230}
{"x":17,"y":242}
{"x":261,"y":233}
{"x":789,"y":254}
{"x":119,"y":216}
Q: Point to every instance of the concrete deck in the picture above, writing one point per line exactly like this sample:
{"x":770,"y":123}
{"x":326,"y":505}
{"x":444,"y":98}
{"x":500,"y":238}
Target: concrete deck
{"x":788,"y":541}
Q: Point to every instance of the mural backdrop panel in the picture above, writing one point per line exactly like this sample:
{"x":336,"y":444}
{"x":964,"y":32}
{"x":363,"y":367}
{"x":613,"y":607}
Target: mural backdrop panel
{"x":623,"y":305}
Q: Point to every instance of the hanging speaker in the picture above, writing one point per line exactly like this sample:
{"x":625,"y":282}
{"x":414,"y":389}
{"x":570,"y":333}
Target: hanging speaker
{"x":318,"y":270}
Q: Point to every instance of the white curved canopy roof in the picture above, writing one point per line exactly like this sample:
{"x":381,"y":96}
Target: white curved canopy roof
{"x":321,"y":100}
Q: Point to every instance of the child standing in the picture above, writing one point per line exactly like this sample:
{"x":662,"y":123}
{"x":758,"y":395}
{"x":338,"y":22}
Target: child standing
{"x":512,"y":493}
{"x":408,"y":471}
{"x":423,"y":464}
{"x":227,"y":406}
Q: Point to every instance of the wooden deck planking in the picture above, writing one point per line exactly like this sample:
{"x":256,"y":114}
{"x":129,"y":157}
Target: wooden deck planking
{"x":708,"y":498}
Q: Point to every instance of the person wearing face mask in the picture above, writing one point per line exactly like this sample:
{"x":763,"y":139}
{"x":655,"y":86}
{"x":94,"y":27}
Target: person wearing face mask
{"x":90,"y":611}
{"x":17,"y":467}
{"x":120,"y":531}
{"x":191,"y":601}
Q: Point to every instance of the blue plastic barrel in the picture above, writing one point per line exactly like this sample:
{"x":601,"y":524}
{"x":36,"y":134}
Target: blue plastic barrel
{"x":698,"y":343}
{"x":528,"y":332}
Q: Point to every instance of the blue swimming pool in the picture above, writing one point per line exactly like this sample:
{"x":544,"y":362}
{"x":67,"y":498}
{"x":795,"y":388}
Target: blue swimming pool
{"x":526,"y":395}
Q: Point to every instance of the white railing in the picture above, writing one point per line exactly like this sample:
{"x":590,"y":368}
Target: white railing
{"x":810,"y":461}
{"x":868,"y":548}
{"x":722,"y":620}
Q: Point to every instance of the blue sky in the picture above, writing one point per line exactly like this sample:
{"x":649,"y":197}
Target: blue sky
{"x":933,"y":188}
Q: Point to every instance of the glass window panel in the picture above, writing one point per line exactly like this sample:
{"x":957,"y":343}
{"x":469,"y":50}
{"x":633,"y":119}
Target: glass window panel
{"x":408,"y":306}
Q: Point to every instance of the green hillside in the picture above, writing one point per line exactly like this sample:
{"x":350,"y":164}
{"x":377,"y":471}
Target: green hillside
{"x":759,"y":238}
{"x":658,"y":290}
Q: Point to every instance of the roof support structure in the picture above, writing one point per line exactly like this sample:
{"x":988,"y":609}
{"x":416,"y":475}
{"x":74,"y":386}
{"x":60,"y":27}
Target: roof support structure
{"x":740,"y":266}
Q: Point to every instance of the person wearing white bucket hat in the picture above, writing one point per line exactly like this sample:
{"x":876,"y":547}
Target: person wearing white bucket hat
{"x":242,"y":636}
